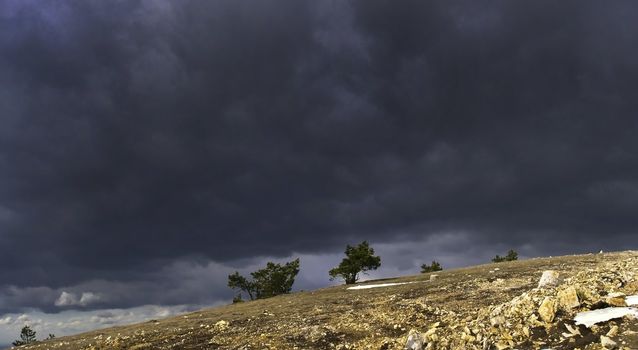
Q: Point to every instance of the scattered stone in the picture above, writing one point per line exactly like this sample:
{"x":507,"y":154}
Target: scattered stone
{"x":414,"y":341}
{"x":314,"y":333}
{"x":497,"y":321}
{"x":502,"y":346}
{"x":549,"y":279}
{"x":616,"y":299}
{"x":613,"y":331}
{"x":607,"y":343}
{"x":221,"y":325}
{"x":572,"y":330}
{"x":461,"y":311}
{"x":568,"y":298}
{"x":547,"y":310}
{"x":430,"y":335}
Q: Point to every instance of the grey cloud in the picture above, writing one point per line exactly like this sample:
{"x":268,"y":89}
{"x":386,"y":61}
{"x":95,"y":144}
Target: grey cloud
{"x":148,"y":144}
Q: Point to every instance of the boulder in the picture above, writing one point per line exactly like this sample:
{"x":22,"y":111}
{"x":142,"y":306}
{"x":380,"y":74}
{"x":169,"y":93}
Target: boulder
{"x":616,"y":299}
{"x":568,"y":298}
{"x":549,"y":279}
{"x":414,"y":341}
{"x":547,"y":310}
{"x":607,"y":343}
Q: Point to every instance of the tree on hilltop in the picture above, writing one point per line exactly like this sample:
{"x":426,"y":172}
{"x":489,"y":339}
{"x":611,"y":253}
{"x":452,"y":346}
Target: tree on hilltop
{"x":272,"y":280}
{"x":27,"y":336}
{"x":511,"y":256}
{"x":435,"y":266}
{"x":358,"y":259}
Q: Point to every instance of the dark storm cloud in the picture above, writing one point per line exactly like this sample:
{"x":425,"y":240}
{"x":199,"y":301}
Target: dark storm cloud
{"x":141,"y":132}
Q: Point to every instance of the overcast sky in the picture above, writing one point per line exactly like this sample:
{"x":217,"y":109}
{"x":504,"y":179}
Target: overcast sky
{"x":150,"y":148}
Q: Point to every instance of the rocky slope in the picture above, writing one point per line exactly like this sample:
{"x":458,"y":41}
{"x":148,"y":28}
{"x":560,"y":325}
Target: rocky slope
{"x":492,"y":306}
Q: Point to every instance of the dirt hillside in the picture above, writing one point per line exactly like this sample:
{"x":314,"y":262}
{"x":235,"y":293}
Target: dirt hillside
{"x":491,"y":306}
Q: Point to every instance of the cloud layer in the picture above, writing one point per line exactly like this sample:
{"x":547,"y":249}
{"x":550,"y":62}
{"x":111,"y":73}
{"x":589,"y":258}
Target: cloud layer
{"x":149,"y":148}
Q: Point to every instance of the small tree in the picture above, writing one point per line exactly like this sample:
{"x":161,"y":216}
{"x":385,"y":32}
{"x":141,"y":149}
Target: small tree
{"x":275,"y":279}
{"x":27,"y":336}
{"x":272,"y":280}
{"x":237,"y":281}
{"x":358,"y":259}
{"x":51,"y":336}
{"x":435,"y":266}
{"x":511,"y":256}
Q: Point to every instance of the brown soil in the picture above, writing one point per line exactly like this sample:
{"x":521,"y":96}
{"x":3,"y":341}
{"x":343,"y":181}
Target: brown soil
{"x":462,"y":301}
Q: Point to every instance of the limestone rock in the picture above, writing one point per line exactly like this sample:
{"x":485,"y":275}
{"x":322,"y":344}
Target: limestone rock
{"x":313,"y":333}
{"x":616,"y":299}
{"x":607,"y":343}
{"x":549,"y":279}
{"x":613,"y":331}
{"x":221,"y":325}
{"x":497,"y":320}
{"x":547,"y":310}
{"x":568,"y":298}
{"x":414,"y":341}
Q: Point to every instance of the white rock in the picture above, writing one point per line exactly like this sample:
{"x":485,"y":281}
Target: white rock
{"x":590,"y":318}
{"x":607,"y":343}
{"x":549,"y":279}
{"x":414,"y":341}
{"x":222,"y":325}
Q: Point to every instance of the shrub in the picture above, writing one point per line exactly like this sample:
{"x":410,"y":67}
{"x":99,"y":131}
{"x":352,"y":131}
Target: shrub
{"x":511,"y":256}
{"x":435,"y":266}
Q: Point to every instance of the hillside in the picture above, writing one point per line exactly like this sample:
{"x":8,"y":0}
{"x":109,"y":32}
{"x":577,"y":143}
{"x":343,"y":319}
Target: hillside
{"x":491,"y":306}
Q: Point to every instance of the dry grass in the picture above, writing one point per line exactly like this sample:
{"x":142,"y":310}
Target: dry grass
{"x":333,"y":318}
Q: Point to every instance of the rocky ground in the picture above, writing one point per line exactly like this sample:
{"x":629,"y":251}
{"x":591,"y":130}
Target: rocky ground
{"x":491,"y":306}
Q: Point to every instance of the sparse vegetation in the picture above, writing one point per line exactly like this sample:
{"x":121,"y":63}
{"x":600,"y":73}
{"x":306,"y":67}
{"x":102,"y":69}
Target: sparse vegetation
{"x":358,"y":259}
{"x":365,"y":318}
{"x":511,"y":256}
{"x":27,"y":336}
{"x":435,"y":266}
{"x":272,"y":280}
